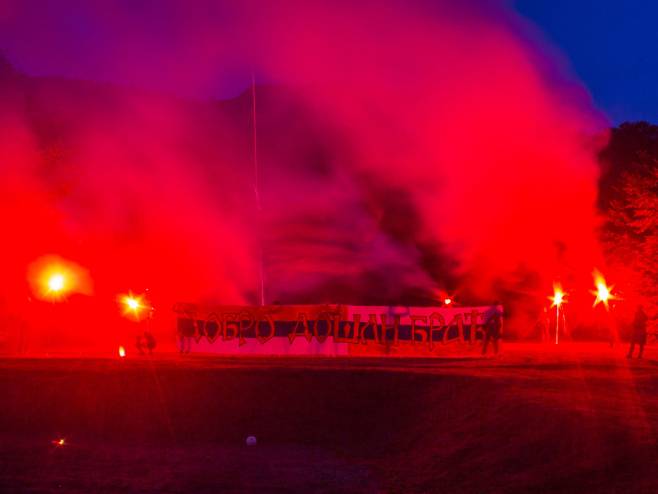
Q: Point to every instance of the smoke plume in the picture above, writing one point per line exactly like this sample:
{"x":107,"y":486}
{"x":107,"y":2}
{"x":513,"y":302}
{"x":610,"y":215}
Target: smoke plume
{"x":403,"y":149}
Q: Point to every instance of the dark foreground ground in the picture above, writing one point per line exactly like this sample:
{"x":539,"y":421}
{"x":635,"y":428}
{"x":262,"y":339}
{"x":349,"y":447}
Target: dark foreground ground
{"x":577,"y":419}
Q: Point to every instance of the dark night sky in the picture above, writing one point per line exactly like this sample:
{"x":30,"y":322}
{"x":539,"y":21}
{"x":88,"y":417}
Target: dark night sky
{"x":611,"y":45}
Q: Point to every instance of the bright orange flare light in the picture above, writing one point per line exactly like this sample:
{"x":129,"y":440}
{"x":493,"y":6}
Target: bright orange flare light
{"x":603,"y":292}
{"x":558,"y":296}
{"x":447,"y":301}
{"x":133,"y":305}
{"x":56,"y":283}
{"x":59,"y":442}
{"x":558,"y":299}
{"x":122,"y":352}
{"x":53,"y":278}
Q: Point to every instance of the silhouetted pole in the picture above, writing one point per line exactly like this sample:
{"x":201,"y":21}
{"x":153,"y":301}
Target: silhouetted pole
{"x":257,"y":191}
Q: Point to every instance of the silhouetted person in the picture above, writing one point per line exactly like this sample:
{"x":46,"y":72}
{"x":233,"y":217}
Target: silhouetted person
{"x":493,"y":327}
{"x":545,"y":325}
{"x":146,"y":341}
{"x":185,"y":334}
{"x":639,"y":334}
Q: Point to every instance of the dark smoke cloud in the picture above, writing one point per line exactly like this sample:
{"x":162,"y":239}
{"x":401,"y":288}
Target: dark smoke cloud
{"x":404,"y":148}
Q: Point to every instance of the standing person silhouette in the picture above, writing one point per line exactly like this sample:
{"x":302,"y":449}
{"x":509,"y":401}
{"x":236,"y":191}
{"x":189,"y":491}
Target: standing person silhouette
{"x":639,"y":334}
{"x":186,"y":330}
{"x":545,"y":325}
{"x":493,"y":327}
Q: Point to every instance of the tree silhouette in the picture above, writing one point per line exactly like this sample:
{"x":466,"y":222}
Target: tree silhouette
{"x":629,"y":200}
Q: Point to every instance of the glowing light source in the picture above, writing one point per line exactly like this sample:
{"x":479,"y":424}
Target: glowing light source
{"x":59,"y":442}
{"x":603,"y":292}
{"x":557,"y":300}
{"x":133,"y":306}
{"x":53,"y":278}
{"x":56,"y":282}
{"x":132,"y":303}
{"x":122,"y":352}
{"x":558,"y":297}
{"x":447,"y":301}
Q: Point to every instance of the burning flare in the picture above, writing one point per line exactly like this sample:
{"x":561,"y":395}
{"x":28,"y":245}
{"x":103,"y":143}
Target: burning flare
{"x":133,"y":306}
{"x":53,"y":278}
{"x":603,"y":292}
{"x":122,"y":351}
{"x":558,"y":297}
{"x":56,"y":283}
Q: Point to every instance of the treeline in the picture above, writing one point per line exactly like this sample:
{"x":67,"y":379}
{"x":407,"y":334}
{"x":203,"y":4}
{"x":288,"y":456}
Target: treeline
{"x":628,"y":201}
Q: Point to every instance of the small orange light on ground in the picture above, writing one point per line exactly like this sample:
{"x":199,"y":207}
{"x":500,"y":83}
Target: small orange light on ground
{"x":447,"y":301}
{"x":59,"y":442}
{"x":122,"y":352}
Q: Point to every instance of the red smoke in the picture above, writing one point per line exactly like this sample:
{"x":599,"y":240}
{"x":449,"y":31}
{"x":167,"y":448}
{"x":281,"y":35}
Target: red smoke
{"x":403,"y":150}
{"x":456,"y":110}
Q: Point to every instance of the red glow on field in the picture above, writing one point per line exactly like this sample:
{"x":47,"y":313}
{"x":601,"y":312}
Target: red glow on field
{"x":122,"y":352}
{"x":59,"y":442}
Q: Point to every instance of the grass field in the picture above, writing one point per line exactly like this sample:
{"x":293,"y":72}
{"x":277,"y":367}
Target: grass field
{"x":538,"y":418}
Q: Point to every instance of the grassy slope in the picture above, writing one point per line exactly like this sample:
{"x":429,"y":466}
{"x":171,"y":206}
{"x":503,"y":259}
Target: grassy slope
{"x":529,"y":421}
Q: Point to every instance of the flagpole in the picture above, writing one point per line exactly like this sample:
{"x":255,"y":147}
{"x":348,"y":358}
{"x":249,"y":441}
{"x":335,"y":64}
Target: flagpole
{"x":256,"y":190}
